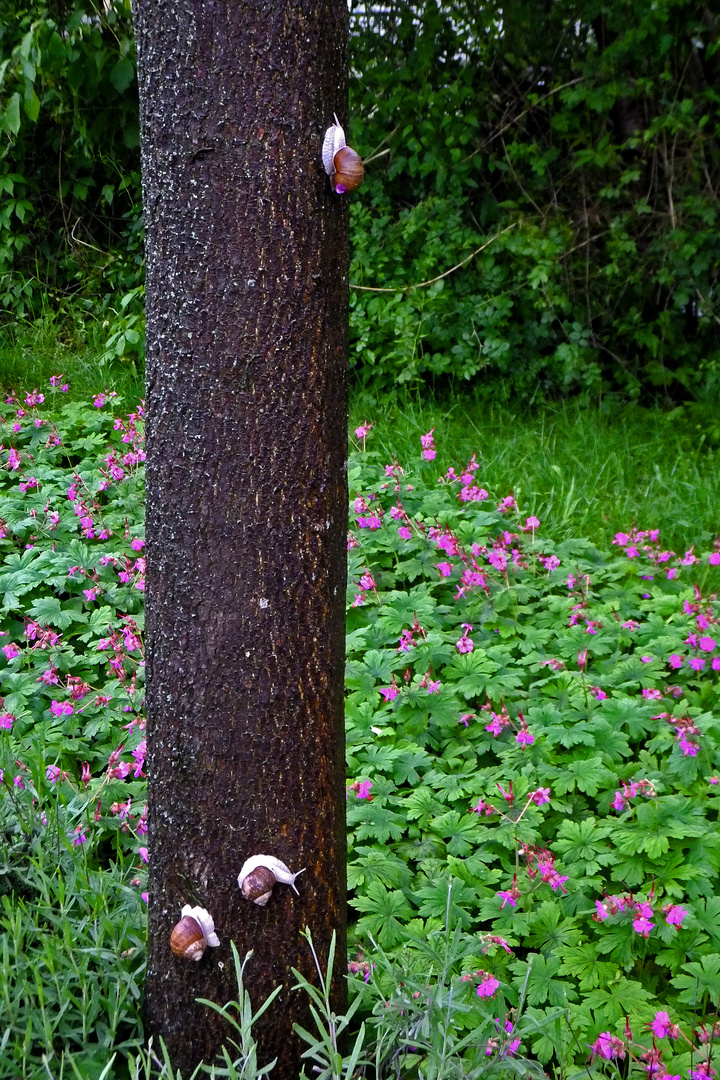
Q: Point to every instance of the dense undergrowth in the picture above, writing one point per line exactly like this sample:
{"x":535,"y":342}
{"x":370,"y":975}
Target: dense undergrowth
{"x":533,"y":760}
{"x":539,"y":216}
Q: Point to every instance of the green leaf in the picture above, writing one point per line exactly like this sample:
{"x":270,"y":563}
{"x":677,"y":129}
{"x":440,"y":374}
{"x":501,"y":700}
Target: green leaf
{"x":31,"y":104}
{"x":702,"y":980}
{"x":122,"y":75}
{"x":12,"y":114}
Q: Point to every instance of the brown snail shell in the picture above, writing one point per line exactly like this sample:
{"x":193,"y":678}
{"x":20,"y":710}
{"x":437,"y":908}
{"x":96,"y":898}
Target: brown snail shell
{"x":342,"y":164}
{"x":258,"y":875}
{"x":187,"y":939}
{"x":192,"y":935}
{"x":349,"y":171}
{"x":258,"y":885}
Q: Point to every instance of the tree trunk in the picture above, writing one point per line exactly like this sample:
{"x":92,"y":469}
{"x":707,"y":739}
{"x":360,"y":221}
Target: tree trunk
{"x":246,"y":498}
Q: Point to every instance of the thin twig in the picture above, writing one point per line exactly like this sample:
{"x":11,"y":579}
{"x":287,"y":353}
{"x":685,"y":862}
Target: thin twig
{"x":431,"y":281}
{"x":79,"y":241}
{"x":519,"y":117}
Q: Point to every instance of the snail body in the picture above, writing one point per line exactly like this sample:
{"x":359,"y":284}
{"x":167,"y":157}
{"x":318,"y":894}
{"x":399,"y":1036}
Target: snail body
{"x":192,"y":935}
{"x":259,"y":874}
{"x":342,"y":164}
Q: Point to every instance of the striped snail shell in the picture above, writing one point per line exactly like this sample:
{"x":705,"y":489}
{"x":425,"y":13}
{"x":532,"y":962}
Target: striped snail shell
{"x":342,"y":164}
{"x":260,"y":873}
{"x":192,"y":935}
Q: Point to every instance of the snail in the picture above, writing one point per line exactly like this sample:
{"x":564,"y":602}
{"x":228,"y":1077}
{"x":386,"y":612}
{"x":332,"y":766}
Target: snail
{"x":192,"y":935}
{"x":259,"y":874}
{"x":342,"y":164}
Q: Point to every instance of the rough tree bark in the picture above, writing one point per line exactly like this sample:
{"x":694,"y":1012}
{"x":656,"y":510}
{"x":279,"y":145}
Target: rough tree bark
{"x":246,"y":496}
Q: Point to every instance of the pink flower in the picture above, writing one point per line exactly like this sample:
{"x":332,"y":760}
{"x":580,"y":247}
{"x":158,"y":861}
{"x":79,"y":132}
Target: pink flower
{"x":598,"y":693}
{"x":404,"y":533}
{"x":674,"y":660}
{"x":488,"y":986}
{"x":541,"y":796}
{"x":428,"y":445}
{"x":674,"y":914}
{"x":472,"y":493}
{"x":652,"y":694}
{"x":6,"y":721}
{"x":608,"y":1046}
{"x":465,"y":644}
{"x":510,"y":1049}
{"x":61,"y":708}
{"x":618,"y":802}
{"x":707,"y":644}
{"x":53,"y":773}
{"x":601,"y":912}
{"x":702,"y":1072}
{"x":363,"y":791}
{"x":688,"y":748}
{"x":119,"y":772}
{"x":143,"y":853}
{"x":672,"y":574}
{"x":434,"y":687}
{"x":389,"y":692}
{"x":11,"y":651}
{"x":498,"y":559}
{"x":90,"y":594}
{"x":714,"y":558}
{"x":642,"y":926}
{"x":697,"y":663}
{"x":448,"y":543}
{"x":507,"y":898}
{"x":532,"y":523}
{"x":661,"y":1025}
{"x":551,"y":563}
{"x":445,"y":568}
{"x":557,"y":882}
{"x":524,"y":738}
{"x":363,"y":431}
{"x":137,"y":544}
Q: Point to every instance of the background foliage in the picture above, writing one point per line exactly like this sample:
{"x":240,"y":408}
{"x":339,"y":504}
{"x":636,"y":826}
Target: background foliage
{"x":70,"y":217}
{"x":590,"y":127}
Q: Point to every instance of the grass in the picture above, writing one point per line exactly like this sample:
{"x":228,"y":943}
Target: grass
{"x":63,"y":345}
{"x":583,"y":469}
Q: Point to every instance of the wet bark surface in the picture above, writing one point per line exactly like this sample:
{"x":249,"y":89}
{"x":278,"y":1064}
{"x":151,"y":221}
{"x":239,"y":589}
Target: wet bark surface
{"x":246,"y":498}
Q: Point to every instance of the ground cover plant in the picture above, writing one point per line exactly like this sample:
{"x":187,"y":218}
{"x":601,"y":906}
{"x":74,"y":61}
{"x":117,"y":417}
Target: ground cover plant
{"x":533,"y":771}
